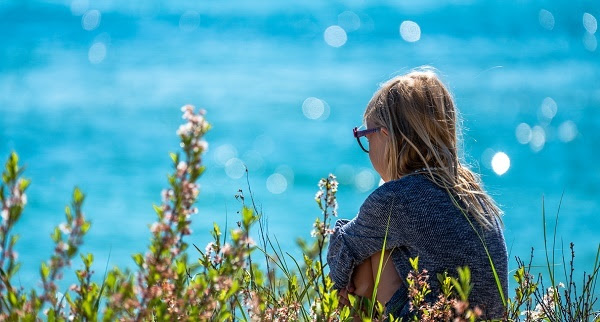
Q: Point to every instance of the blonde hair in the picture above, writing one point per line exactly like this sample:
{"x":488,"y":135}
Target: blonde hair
{"x":418,"y":112}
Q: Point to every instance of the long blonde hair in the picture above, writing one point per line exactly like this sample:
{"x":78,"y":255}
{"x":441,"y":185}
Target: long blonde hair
{"x":418,"y":112}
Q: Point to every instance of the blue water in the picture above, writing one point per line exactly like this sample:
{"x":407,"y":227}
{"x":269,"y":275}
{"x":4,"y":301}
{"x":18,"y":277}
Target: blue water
{"x":99,"y":109}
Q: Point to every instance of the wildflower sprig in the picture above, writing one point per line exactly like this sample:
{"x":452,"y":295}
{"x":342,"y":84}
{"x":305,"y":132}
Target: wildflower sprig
{"x":12,"y":201}
{"x":67,"y":238}
{"x":162,"y":271}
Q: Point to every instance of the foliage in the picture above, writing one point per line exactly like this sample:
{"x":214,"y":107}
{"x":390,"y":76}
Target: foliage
{"x":234,"y":277}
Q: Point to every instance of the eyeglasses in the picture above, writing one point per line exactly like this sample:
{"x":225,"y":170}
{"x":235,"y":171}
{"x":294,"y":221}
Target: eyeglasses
{"x":361,"y":138}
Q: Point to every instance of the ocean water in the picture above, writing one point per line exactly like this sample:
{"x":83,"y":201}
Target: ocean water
{"x":90,"y":94}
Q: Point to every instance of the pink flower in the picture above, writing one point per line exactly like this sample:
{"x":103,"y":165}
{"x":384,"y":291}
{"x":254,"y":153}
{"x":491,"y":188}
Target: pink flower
{"x":155,"y":227}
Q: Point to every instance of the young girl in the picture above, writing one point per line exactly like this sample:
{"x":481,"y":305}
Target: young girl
{"x":430,"y":205}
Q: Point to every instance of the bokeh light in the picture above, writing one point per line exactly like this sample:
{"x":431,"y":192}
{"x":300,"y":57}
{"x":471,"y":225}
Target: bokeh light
{"x":567,"y":131}
{"x":364,"y":180}
{"x":224,"y":153}
{"x":410,"y":31}
{"x":590,"y":23}
{"x":349,"y":21}
{"x":500,"y":163}
{"x":235,"y":168}
{"x":523,"y":133}
{"x":313,"y":108}
{"x":97,"y":53}
{"x":548,"y":108}
{"x":590,"y":42}
{"x":538,"y":138}
{"x":91,"y":20}
{"x":546,"y":19}
{"x":335,"y":36}
{"x":276,"y":183}
{"x":486,"y":157}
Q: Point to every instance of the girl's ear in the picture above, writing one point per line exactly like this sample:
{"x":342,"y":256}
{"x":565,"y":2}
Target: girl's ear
{"x":385,"y":131}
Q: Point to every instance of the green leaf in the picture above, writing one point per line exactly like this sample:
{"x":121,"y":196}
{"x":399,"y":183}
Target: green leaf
{"x":247,"y":217}
{"x":78,"y":196}
{"x":13,"y":240}
{"x":56,"y":235}
{"x":14,"y":270}
{"x":68,"y":214}
{"x":51,"y":315}
{"x":23,"y":184}
{"x":45,"y":271}
{"x":217,"y":230}
{"x":87,"y":259}
{"x":174,"y":158}
{"x":85,"y":227}
{"x":12,"y":297}
{"x":87,"y":308}
{"x":138,"y":259}
{"x":180,"y":268}
{"x":414,"y":263}
{"x":158,"y":210}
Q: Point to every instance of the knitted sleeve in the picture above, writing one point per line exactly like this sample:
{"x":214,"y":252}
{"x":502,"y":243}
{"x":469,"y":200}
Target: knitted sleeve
{"x":353,"y":241}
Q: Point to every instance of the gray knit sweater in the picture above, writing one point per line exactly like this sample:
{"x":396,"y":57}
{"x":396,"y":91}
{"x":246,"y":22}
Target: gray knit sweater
{"x":423,"y":222}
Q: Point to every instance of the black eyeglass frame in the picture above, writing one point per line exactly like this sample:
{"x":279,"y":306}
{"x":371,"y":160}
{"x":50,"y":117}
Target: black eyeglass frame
{"x":360,"y":133}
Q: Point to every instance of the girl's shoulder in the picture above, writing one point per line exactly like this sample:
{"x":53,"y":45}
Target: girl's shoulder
{"x":409,"y":183}
{"x":407,"y":189}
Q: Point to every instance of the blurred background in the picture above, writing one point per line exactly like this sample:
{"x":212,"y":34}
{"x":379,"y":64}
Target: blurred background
{"x":90,"y":95}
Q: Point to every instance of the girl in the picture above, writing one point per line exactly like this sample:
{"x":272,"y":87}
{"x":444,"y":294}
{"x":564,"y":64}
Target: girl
{"x":430,"y":205}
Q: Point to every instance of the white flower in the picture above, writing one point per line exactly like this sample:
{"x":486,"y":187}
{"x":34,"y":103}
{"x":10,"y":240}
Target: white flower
{"x":63,"y":246}
{"x":187,"y":108}
{"x":319,"y":195}
{"x":182,"y":166}
{"x":5,"y":214}
{"x":203,"y":145}
{"x":322,"y":183}
{"x":64,"y":228}
{"x":184,"y":129}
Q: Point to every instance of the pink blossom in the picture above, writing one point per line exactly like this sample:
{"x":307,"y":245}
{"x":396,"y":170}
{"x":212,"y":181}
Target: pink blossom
{"x":155,"y":227}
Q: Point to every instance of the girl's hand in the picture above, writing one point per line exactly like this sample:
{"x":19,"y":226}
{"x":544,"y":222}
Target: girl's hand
{"x":343,"y":294}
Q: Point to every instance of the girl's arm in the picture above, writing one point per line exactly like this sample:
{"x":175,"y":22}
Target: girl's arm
{"x":361,"y":283}
{"x":365,"y":274}
{"x":362,"y":278}
{"x":389,"y":280}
